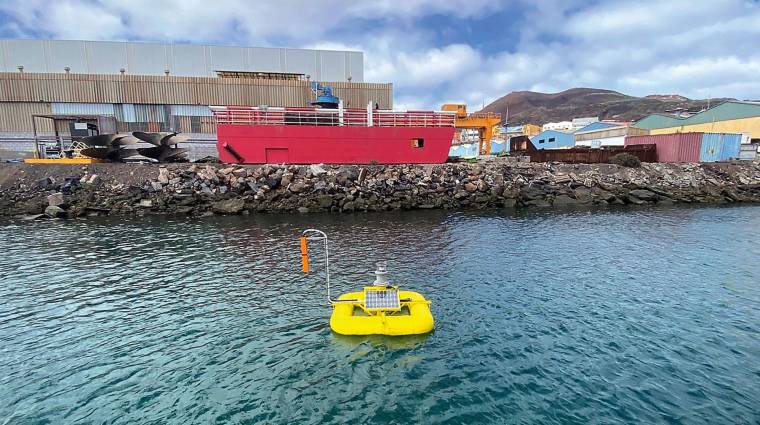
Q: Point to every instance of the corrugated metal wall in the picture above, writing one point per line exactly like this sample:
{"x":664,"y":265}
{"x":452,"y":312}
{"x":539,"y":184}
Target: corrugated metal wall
{"x":601,"y":134}
{"x":677,"y":147}
{"x":15,"y":116}
{"x":191,"y":110}
{"x":192,"y":60}
{"x":633,"y":131}
{"x":83,"y":108}
{"x":719,"y":147}
{"x":144,"y":89}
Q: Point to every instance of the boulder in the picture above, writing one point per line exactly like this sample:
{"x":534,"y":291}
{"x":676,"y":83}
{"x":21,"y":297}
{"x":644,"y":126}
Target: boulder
{"x":163,"y":176}
{"x":94,"y":180}
{"x":229,"y":206}
{"x":643,"y":194}
{"x":317,"y":170}
{"x":46,"y":183}
{"x":325,"y":201}
{"x":56,"y":199}
{"x":564,"y":200}
{"x":510,"y":203}
{"x":296,"y":187}
{"x":54,"y":211}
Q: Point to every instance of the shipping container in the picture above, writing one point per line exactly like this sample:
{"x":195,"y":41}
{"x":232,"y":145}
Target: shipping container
{"x":719,"y":147}
{"x":644,"y":152}
{"x":676,"y":147}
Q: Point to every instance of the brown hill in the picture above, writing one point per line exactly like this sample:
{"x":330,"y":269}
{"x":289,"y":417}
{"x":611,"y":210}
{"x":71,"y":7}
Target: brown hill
{"x":539,"y":108}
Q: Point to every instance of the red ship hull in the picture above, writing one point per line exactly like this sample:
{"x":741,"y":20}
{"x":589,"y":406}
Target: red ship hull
{"x":313,"y":144}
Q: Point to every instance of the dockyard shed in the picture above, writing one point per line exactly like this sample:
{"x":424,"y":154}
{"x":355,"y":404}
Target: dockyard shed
{"x":728,"y":117}
{"x":552,"y":139}
{"x":597,"y":135}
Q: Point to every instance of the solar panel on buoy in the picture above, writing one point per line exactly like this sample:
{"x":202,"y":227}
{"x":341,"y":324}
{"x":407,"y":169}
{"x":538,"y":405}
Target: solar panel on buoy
{"x":381,"y":299}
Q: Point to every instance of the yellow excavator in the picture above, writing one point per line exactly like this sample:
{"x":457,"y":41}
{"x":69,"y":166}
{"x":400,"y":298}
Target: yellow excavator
{"x":484,"y":122}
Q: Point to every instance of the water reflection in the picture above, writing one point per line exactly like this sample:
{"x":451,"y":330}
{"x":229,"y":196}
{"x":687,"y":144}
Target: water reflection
{"x":607,"y":315}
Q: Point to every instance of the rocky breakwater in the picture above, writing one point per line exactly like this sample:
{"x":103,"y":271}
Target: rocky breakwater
{"x":199,"y":189}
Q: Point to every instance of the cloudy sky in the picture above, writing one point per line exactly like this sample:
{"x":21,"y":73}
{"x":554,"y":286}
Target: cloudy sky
{"x":453,"y":50}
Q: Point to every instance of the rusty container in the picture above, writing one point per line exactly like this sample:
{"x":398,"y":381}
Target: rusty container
{"x":676,"y":147}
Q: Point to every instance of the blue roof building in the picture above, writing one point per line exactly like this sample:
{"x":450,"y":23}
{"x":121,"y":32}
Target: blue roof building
{"x":552,"y":139}
{"x":599,"y":125}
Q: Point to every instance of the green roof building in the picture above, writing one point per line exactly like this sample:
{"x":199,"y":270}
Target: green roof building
{"x":728,"y":117}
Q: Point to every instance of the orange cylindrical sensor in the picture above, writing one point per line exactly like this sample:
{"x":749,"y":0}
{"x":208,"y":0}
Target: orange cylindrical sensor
{"x":304,"y":246}
{"x":305,"y":263}
{"x":304,"y":255}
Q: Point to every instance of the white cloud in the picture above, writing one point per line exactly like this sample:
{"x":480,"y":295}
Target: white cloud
{"x":638,"y":47}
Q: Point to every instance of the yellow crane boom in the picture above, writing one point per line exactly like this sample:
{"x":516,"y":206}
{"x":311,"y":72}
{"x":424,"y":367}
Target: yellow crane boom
{"x":484,"y":122}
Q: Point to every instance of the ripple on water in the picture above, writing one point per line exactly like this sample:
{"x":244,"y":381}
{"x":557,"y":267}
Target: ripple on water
{"x":584,"y":316}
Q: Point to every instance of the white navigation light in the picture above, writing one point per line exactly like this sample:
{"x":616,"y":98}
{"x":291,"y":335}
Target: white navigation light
{"x":381,"y":274}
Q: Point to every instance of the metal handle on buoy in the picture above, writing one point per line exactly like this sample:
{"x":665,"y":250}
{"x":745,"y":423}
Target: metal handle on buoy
{"x":317,"y":235}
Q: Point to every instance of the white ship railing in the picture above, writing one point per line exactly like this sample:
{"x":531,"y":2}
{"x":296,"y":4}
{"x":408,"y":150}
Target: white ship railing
{"x":254,"y":115}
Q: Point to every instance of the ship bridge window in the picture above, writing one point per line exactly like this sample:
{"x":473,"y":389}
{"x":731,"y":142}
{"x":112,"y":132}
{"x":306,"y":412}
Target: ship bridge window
{"x":418,"y":143}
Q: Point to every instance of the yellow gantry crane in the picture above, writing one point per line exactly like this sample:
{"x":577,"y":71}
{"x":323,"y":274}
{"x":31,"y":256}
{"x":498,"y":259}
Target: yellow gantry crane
{"x":484,"y":122}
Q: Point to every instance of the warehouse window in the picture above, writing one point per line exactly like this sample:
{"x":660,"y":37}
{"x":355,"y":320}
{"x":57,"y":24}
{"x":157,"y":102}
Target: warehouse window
{"x":418,"y":143}
{"x":540,"y":140}
{"x":551,"y":140}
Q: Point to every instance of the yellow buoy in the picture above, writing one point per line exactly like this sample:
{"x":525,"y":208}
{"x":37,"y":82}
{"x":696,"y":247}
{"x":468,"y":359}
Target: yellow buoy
{"x":379,"y":309}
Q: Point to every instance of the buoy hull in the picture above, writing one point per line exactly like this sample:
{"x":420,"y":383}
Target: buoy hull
{"x":414,"y":319}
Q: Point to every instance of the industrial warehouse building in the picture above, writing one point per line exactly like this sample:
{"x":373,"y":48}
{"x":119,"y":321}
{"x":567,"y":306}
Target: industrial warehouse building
{"x":163,"y":87}
{"x":727,"y":117}
{"x":599,"y":134}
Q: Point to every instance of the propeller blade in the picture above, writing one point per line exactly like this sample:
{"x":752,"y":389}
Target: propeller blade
{"x":153,"y":152}
{"x":133,"y":155}
{"x":162,"y":153}
{"x":174,"y":139}
{"x":172,"y":153}
{"x":152,"y":138}
{"x":97,"y":153}
{"x":100,"y":139}
{"x":125,"y":139}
